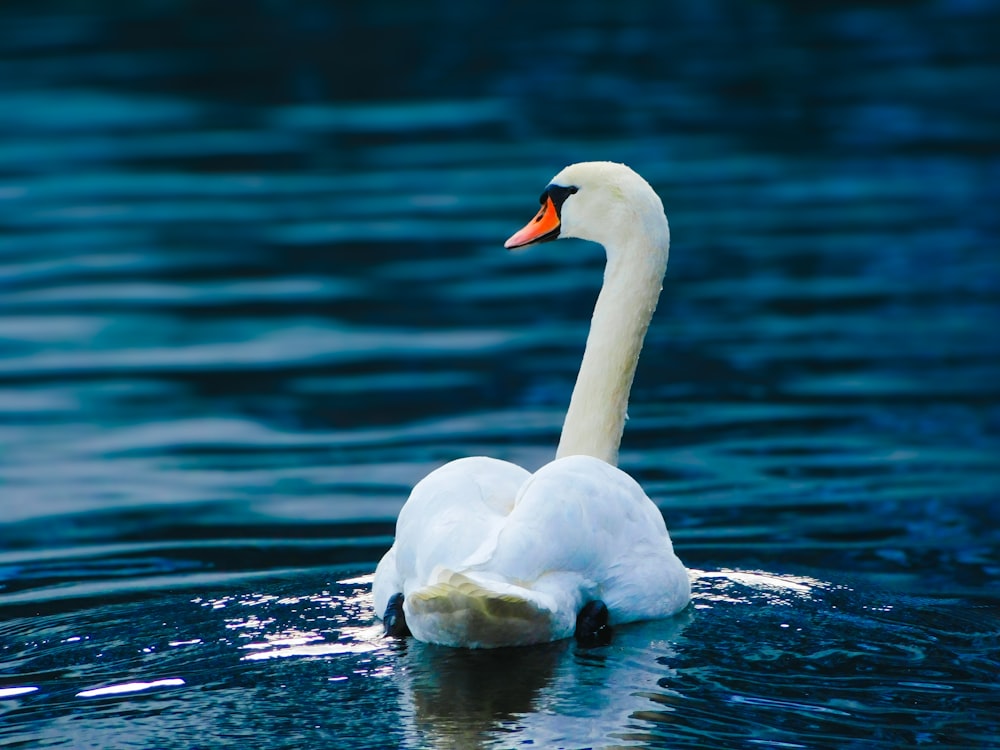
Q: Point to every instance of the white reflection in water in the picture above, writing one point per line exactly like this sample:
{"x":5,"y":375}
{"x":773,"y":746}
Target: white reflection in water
{"x":311,"y":649}
{"x":752,"y":587}
{"x":11,"y":692}
{"x":130,"y":687}
{"x":336,"y":638}
{"x":192,"y":642}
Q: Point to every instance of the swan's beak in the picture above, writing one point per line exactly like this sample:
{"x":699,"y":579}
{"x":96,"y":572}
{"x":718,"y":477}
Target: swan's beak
{"x":545,"y":226}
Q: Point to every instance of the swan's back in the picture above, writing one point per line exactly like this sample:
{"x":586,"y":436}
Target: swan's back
{"x":577,"y":530}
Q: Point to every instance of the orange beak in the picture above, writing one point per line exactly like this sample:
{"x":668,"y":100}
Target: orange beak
{"x":545,"y":226}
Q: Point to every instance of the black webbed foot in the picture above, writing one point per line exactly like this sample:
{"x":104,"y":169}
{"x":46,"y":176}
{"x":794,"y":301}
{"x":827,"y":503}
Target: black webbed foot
{"x":394,"y":621}
{"x":592,"y":627}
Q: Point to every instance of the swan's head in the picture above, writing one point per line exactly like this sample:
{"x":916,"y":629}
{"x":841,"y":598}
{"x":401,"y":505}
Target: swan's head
{"x":600,"y":201}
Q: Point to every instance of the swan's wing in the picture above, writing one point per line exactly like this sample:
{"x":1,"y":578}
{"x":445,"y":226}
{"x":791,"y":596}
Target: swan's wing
{"x":582,"y":526}
{"x":452,"y":515}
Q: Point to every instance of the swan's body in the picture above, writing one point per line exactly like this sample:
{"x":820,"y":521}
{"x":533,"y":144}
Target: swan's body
{"x":488,"y":554}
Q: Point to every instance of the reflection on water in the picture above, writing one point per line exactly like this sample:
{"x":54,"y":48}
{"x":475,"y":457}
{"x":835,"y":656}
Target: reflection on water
{"x":130,"y":687}
{"x":252,"y":289}
{"x":459,"y":700}
{"x":758,"y":657}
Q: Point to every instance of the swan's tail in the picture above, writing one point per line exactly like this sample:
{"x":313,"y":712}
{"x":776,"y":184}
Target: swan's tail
{"x":459,"y":610}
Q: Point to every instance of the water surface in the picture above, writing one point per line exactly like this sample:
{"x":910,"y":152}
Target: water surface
{"x":252,"y":288}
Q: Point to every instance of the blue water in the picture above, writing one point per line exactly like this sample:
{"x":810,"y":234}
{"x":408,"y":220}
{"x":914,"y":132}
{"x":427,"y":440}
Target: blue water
{"x":252,"y":288}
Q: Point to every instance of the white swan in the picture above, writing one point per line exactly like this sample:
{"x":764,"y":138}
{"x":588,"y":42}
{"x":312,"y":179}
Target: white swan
{"x":487,"y":554}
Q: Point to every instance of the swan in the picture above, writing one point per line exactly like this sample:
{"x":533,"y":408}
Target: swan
{"x":488,"y":554}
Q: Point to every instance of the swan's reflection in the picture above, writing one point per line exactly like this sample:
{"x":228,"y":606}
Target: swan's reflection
{"x":458,"y":698}
{"x":558,"y":695}
{"x":549,"y":694}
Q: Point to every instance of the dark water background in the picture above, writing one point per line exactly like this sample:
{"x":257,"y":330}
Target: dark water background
{"x":252,"y":288}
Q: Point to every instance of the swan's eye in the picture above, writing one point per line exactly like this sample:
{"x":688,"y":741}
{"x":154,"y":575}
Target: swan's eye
{"x":558,"y":194}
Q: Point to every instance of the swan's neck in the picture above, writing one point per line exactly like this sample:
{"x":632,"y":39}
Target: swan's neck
{"x":597,"y":411}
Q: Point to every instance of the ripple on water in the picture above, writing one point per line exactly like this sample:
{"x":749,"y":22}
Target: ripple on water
{"x":758,"y":657}
{"x":241,"y":314}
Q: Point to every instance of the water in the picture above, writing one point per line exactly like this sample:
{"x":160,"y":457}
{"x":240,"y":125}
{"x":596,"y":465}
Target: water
{"x":252,"y":288}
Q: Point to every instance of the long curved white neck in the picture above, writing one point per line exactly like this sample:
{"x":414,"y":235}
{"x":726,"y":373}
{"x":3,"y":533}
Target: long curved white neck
{"x":633,"y":279}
